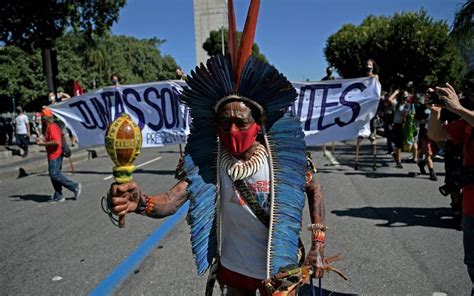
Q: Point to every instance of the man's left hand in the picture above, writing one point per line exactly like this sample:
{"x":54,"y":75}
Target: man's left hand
{"x":315,"y":258}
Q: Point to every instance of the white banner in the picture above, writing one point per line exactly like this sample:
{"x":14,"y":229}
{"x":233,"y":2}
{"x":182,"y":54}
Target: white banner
{"x":329,"y":111}
{"x":336,"y":110}
{"x":155,"y":107}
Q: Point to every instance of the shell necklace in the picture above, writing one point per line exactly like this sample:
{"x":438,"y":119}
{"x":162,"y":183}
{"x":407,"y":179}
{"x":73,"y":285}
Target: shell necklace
{"x":239,"y":170}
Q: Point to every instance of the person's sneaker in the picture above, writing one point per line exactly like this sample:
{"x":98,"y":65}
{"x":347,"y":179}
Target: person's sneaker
{"x":60,"y":198}
{"x":77,"y":191}
{"x":56,"y":197}
{"x":399,"y":165}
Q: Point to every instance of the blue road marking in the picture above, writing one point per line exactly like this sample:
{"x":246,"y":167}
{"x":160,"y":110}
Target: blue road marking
{"x":124,"y":269}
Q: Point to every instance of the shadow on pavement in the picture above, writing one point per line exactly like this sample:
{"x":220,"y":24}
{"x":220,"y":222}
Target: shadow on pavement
{"x":402,"y":174}
{"x":305,"y":290}
{"x":403,"y":217}
{"x":138,"y":171}
{"x":158,"y":172}
{"x":32,"y":197}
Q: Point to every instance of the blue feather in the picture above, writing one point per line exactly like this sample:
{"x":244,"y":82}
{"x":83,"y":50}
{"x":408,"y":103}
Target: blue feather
{"x":287,"y":143}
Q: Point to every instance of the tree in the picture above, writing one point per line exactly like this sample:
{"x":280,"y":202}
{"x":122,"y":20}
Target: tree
{"x":463,"y":32}
{"x":408,"y":46}
{"x":213,"y":44}
{"x":34,"y":24}
{"x":21,"y":77}
{"x":134,"y":60}
{"x":38,"y":23}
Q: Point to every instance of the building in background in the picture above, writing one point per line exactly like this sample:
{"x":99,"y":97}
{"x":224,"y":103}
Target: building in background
{"x":209,"y":15}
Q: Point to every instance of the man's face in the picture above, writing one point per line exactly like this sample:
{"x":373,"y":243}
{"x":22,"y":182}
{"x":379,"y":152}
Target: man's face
{"x":234,"y":116}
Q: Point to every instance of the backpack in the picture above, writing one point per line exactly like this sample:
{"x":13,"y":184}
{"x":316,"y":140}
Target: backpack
{"x":66,"y":151}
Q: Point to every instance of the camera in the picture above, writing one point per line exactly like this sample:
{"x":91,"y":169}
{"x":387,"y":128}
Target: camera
{"x":460,"y":178}
{"x":434,"y":98}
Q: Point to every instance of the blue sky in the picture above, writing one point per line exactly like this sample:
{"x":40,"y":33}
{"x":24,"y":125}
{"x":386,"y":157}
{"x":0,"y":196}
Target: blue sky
{"x":290,"y":33}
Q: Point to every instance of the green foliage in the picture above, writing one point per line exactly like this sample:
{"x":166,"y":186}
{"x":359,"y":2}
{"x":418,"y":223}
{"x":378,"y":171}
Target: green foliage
{"x":21,"y":76}
{"x":463,"y":32}
{"x":38,"y":23}
{"x":134,"y":60}
{"x":409,"y":45}
{"x":213,"y":44}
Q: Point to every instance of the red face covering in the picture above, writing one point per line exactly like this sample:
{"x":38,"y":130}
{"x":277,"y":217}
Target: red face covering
{"x":237,"y":142}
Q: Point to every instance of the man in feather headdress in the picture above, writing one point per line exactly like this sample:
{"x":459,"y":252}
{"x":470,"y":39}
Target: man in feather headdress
{"x":244,"y":172}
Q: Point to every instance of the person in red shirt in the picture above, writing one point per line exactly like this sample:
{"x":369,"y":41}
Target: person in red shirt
{"x":53,"y":144}
{"x":459,"y":131}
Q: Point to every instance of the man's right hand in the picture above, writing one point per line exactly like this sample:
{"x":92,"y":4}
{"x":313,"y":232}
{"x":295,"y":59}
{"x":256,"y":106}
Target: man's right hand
{"x":124,"y":198}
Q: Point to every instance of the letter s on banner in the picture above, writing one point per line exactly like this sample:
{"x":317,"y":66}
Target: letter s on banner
{"x":353,"y":105}
{"x":147,"y":98}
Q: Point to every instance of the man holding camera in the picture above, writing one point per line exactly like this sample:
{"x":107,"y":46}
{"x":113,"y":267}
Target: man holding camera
{"x":459,"y":131}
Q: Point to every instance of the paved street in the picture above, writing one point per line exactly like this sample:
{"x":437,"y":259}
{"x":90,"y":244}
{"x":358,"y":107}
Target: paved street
{"x":392,"y":227}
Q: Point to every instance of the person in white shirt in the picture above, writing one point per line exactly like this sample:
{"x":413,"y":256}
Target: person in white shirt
{"x":22,"y":131}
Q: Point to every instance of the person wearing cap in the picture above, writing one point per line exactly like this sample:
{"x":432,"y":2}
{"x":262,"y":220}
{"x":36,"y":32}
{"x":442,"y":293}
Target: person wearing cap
{"x":22,"y":131}
{"x":53,"y":144}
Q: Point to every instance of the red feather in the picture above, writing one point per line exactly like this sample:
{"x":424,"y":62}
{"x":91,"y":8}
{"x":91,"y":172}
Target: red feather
{"x":246,"y":42}
{"x":232,"y":36}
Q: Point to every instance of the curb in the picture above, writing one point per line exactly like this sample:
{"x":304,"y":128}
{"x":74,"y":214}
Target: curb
{"x":16,"y":171}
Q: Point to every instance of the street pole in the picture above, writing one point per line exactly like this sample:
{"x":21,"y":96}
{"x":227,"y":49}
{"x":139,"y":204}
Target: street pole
{"x":50,"y":69}
{"x":222,"y":40}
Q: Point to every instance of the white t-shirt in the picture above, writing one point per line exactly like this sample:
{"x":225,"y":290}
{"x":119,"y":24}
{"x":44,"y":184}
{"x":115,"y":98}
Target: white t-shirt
{"x":400,"y":109}
{"x":20,"y":124}
{"x":244,"y":238}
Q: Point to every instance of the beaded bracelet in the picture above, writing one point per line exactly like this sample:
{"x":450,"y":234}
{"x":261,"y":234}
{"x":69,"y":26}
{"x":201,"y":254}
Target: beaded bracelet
{"x":143,"y":205}
{"x":319,"y":236}
{"x":149,"y":206}
{"x":317,"y":226}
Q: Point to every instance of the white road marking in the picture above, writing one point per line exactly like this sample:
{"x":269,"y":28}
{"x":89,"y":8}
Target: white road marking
{"x":332,"y":159}
{"x":137,"y":166}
